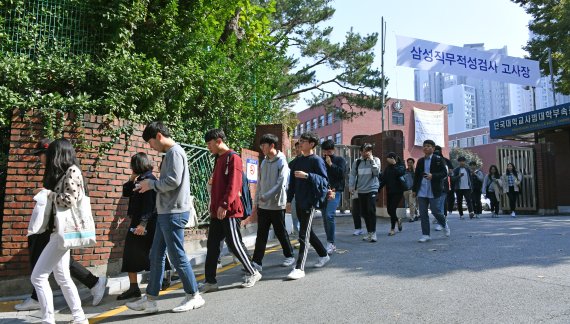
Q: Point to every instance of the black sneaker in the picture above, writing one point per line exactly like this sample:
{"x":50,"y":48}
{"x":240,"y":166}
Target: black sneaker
{"x":131,"y":293}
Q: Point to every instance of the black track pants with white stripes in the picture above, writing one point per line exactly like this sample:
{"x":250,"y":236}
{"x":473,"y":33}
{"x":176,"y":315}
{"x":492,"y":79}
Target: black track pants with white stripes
{"x":227,"y":228}
{"x":306,"y":220}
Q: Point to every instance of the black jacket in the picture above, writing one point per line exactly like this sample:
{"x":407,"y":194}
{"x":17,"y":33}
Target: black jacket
{"x":336,"y":173}
{"x":438,"y":172}
{"x":391,"y":179}
{"x":142,"y":207}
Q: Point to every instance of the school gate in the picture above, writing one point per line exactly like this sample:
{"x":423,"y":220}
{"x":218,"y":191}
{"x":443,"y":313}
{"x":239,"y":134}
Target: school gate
{"x":523,"y":158}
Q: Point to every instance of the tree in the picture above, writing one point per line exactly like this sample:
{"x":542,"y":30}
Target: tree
{"x":456,"y":152}
{"x":298,"y":27}
{"x":549,"y":27}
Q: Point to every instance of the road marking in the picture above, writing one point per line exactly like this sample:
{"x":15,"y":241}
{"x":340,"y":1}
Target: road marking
{"x":8,"y":306}
{"x":121,"y":309}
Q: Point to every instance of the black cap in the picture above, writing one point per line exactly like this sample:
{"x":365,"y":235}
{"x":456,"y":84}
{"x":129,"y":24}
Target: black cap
{"x":42,"y":146}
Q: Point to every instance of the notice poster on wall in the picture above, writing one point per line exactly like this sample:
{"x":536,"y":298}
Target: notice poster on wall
{"x":429,"y":125}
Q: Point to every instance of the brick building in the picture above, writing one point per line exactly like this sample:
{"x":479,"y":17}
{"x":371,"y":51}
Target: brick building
{"x":399,"y":115}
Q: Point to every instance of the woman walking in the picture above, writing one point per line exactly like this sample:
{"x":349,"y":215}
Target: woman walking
{"x":512,"y":186}
{"x":391,"y":179}
{"x":64,"y":181}
{"x":143,"y":222}
{"x":492,"y":189}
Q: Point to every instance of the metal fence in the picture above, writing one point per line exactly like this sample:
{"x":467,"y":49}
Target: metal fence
{"x":524,"y":160}
{"x":201,"y":164}
{"x":31,"y":25}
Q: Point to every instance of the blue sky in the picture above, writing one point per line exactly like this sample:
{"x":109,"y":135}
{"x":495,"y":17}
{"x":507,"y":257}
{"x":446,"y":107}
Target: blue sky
{"x":454,"y":22}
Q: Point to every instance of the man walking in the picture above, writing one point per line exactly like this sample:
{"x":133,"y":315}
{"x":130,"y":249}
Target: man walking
{"x":428,"y":186}
{"x":477,"y":177}
{"x":173,"y":209}
{"x":271,"y":201}
{"x":411,"y":203}
{"x":226,"y":211}
{"x":308,"y":185}
{"x":336,"y":168}
{"x":462,"y":180}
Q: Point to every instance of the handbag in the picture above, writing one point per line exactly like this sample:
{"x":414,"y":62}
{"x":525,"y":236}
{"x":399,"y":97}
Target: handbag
{"x":75,"y":225}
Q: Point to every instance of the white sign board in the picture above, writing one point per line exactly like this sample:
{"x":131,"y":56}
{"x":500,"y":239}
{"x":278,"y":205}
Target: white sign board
{"x":251,"y":169}
{"x":429,"y":125}
{"x":431,"y":56}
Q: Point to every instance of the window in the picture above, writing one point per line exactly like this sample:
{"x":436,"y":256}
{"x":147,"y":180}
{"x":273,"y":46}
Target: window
{"x":337,"y":138}
{"x":321,"y":140}
{"x":397,"y":118}
{"x":330,"y":118}
{"x":329,"y":137}
{"x":485,"y":139}
{"x":315,"y":123}
{"x":322,"y":121}
{"x":450,"y":109}
{"x":308,"y":125}
{"x":471,"y":141}
{"x":301,"y":129}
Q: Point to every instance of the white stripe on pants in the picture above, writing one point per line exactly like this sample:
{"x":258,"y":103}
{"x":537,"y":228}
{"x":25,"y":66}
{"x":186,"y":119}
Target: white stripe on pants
{"x":238,"y":246}
{"x":53,"y":259}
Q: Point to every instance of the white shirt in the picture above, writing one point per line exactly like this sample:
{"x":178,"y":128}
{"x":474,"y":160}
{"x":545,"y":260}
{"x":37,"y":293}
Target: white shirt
{"x":464,"y":184}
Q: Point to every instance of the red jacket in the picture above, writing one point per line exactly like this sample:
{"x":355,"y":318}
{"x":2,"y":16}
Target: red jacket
{"x":226,"y":185}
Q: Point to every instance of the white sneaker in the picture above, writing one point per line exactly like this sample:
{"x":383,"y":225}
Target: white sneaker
{"x":424,"y":238}
{"x":256,"y":266}
{"x":251,"y":280}
{"x":143,"y":305}
{"x":207,"y":287}
{"x":447,"y":230}
{"x":190,"y":302}
{"x":288,"y":262}
{"x":83,"y":321}
{"x":98,"y":291}
{"x":438,"y":227}
{"x":27,"y":305}
{"x":296,"y":274}
{"x":358,"y":232}
{"x":331,"y":248}
{"x":434,"y":221}
{"x":513,"y":215}
{"x":373,"y":237}
{"x":322,"y":261}
{"x":367,"y":237}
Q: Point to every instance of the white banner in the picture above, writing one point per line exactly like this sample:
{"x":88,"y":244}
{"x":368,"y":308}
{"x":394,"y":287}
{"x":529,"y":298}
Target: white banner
{"x":431,"y":56}
{"x":429,"y":125}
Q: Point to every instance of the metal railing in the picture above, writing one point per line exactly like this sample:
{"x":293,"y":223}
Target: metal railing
{"x":201,"y":164}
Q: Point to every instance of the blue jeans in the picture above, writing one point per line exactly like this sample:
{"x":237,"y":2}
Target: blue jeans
{"x":443,"y":203}
{"x":169,"y":235}
{"x":434,"y":204}
{"x":294,"y":217}
{"x":329,"y":211}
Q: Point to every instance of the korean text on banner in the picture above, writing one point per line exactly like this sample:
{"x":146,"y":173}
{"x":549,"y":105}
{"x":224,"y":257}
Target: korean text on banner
{"x":429,"y":125}
{"x":431,"y":56}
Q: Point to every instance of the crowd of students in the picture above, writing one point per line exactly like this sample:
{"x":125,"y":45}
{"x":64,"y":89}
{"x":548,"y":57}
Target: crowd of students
{"x":159,"y":210}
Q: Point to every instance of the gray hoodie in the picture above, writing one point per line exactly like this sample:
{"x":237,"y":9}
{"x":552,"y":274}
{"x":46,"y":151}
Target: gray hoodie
{"x":272,"y":181}
{"x":368,"y":171}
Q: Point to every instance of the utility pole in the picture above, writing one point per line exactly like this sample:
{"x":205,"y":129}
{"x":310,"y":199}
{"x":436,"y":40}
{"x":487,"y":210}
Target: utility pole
{"x":382,"y":51}
{"x":551,"y":75}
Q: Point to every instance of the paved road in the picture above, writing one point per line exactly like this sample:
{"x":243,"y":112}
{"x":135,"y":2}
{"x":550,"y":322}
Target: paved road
{"x":489,"y":271}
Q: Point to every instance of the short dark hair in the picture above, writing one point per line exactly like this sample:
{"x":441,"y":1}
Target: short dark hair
{"x":296,"y":144}
{"x":472,"y":163}
{"x":438,"y":148}
{"x":461,"y":159}
{"x":152,"y":129}
{"x":311,"y":137}
{"x":140,"y":163}
{"x":366,"y":147}
{"x":327,"y":145}
{"x":411,"y":159}
{"x":429,"y":142}
{"x":269,"y":139}
{"x":214,"y":134}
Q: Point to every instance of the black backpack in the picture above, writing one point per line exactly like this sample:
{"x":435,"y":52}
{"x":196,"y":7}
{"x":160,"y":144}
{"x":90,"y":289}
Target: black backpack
{"x":245,"y":194}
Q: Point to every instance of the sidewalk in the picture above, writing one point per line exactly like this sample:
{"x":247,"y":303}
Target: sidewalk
{"x":118,"y":284}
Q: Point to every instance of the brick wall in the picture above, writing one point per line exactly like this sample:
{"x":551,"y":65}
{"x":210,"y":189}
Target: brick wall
{"x":104,"y":183}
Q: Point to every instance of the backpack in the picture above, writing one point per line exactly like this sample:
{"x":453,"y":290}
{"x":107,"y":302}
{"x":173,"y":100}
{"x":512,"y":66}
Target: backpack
{"x":245,"y":194}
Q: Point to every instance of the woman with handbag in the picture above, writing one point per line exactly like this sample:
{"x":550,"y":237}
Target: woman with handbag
{"x":394,"y":180}
{"x":143,"y":221}
{"x":512,"y":186}
{"x":63,"y":179}
{"x":492,"y":187}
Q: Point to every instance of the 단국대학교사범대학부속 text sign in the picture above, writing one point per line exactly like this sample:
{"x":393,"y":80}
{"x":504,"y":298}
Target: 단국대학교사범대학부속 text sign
{"x":488,"y":65}
{"x":532,"y":121}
